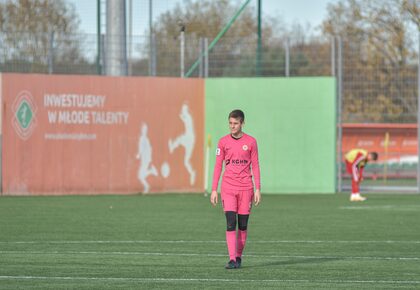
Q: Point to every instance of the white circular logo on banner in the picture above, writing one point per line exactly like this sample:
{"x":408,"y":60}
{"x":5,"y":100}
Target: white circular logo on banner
{"x":24,"y":114}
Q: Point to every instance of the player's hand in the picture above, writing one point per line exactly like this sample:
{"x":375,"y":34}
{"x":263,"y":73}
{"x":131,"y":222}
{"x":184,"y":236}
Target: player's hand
{"x":214,"y":197}
{"x":257,"y":197}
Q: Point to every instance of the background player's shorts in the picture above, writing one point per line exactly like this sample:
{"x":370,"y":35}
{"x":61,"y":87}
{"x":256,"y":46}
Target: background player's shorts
{"x":239,"y":201}
{"x":349,"y":168}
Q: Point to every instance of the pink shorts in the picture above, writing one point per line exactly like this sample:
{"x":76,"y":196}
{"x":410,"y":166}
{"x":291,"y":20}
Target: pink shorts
{"x":239,"y":201}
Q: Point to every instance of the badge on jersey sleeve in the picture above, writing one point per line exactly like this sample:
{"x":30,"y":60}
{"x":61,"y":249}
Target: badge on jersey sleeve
{"x":217,"y":151}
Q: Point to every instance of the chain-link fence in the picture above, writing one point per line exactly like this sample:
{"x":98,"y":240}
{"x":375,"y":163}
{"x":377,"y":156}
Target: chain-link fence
{"x":163,"y":56}
{"x":377,"y":93}
{"x":378,"y":110}
{"x":378,"y":88}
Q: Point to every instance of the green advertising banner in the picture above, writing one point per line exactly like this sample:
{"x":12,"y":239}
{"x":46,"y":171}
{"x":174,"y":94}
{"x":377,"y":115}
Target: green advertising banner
{"x":293,"y":120}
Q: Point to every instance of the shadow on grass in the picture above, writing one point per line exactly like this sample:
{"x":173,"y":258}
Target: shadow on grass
{"x":292,"y":262}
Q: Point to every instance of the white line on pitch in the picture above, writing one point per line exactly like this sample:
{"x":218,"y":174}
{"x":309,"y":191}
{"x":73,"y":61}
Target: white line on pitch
{"x":206,"y":255}
{"x":209,"y":280}
{"x":210,"y":242}
{"x":381,"y":207}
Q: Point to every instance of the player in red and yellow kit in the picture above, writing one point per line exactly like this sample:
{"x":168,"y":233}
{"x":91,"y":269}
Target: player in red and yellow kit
{"x":239,"y":153}
{"x":356,"y":160}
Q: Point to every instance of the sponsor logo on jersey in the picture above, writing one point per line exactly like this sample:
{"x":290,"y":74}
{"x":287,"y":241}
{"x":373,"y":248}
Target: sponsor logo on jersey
{"x":236,"y":162}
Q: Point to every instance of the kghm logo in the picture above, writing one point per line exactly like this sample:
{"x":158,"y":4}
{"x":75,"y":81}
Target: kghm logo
{"x":236,"y":162}
{"x":24,"y":119}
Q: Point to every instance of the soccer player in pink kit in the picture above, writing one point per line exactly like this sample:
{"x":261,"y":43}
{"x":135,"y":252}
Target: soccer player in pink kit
{"x":239,"y":152}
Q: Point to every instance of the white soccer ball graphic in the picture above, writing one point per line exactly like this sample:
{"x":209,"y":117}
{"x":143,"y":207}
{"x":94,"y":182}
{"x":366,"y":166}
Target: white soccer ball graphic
{"x":165,"y":170}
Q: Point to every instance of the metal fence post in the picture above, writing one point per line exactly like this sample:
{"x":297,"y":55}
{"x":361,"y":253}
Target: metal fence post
{"x":51,"y":53}
{"x":103,"y":56}
{"x":151,"y":41}
{"x":153,"y":55}
{"x":333,"y":56}
{"x":418,"y":113}
{"x":98,"y":28}
{"x":339,"y":81}
{"x":182,"y":49}
{"x":130,"y":37}
{"x":206,"y":58}
{"x":201,"y":52}
{"x":287,"y":58}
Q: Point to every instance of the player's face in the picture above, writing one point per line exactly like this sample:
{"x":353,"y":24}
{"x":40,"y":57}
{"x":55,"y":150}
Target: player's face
{"x":235,"y":126}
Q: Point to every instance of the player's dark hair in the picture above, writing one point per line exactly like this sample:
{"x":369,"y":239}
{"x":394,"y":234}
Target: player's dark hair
{"x":374,"y":155}
{"x":237,"y":114}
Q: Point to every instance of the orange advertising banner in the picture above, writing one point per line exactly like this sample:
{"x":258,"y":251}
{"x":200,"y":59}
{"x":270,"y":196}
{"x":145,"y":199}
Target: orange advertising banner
{"x":101,"y":135}
{"x":401,"y":144}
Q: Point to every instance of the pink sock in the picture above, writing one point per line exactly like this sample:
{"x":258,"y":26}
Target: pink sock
{"x":240,"y":245}
{"x":231,"y":244}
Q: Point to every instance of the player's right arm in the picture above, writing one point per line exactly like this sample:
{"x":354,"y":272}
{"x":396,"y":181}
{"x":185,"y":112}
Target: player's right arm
{"x":214,"y":197}
{"x":356,"y":168}
{"x":220,"y":156}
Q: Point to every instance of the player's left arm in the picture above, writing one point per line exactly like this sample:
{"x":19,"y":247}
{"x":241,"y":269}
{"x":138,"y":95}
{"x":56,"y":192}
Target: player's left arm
{"x":256,"y":173}
{"x":361,"y":173}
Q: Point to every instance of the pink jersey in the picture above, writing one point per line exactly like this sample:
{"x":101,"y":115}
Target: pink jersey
{"x":239,"y":156}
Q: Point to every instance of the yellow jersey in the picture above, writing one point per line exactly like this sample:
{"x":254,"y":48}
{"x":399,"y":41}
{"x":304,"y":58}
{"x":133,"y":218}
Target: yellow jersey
{"x":357,"y":154}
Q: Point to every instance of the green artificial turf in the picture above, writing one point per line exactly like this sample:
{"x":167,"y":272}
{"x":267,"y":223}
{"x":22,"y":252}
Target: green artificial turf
{"x":178,"y":242}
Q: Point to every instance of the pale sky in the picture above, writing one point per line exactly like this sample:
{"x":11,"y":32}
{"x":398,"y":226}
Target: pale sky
{"x":302,"y":11}
{"x":310,"y":12}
